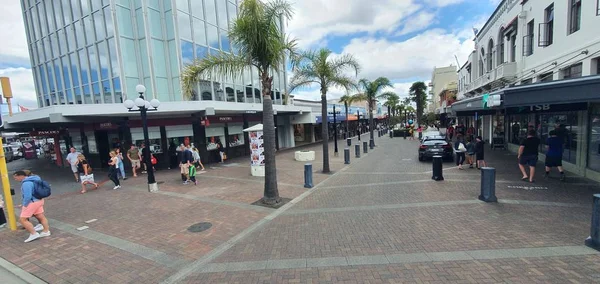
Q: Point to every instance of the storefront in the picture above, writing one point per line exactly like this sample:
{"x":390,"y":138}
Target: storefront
{"x":478,"y":119}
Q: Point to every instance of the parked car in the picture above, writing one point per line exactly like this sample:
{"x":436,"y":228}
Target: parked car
{"x":431,"y":148}
{"x":8,"y":154}
{"x":433,"y":137}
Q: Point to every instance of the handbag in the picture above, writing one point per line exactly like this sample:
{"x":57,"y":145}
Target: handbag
{"x":461,"y":147}
{"x":153,"y":160}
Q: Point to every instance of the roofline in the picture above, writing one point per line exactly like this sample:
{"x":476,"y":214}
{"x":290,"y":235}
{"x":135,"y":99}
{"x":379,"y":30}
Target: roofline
{"x":490,"y":17}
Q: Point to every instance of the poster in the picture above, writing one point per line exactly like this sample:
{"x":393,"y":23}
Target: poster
{"x":257,"y":148}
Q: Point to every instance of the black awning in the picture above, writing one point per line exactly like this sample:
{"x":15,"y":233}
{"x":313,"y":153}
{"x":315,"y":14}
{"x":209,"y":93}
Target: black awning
{"x":585,"y":89}
{"x":472,"y":105}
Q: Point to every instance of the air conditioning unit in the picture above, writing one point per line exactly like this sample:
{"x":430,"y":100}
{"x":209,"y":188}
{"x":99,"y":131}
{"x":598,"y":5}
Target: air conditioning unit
{"x":523,"y":15}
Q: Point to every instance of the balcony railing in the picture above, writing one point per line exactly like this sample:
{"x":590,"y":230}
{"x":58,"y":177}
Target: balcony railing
{"x":501,"y":74}
{"x":528,"y":45}
{"x":546,"y":34}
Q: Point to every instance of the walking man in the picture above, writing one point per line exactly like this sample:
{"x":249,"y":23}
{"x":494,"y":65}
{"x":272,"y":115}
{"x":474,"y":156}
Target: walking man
{"x":528,"y":155}
{"x":554,"y":147}
{"x":133,"y":154}
{"x":31,"y":206}
{"x":479,"y":153}
{"x":72,"y":159}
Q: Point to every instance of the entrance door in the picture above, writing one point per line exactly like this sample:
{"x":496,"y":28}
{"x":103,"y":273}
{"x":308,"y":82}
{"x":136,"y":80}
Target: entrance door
{"x":103,"y":147}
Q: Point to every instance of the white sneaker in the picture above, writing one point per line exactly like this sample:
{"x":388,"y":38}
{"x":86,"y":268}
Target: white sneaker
{"x":45,"y":234}
{"x":33,"y":237}
{"x":3,"y":225}
{"x":117,"y":187}
{"x":38,"y":227}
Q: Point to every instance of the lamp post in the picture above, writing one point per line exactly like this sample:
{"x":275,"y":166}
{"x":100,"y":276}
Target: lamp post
{"x":358,"y":124}
{"x":143,"y":106}
{"x":335,"y":146}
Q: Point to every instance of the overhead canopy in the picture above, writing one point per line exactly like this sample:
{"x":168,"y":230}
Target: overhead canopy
{"x":579,"y":90}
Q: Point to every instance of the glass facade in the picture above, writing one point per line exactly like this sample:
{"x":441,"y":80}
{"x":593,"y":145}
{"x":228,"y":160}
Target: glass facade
{"x":93,"y":52}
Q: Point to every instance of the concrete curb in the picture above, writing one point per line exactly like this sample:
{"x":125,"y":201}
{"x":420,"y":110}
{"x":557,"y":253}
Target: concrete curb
{"x":17,"y":271}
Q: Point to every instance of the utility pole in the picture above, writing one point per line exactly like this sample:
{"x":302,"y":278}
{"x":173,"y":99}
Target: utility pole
{"x":10,"y":208}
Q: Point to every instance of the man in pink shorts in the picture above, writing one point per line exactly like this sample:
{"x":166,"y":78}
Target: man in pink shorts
{"x":31,"y":207}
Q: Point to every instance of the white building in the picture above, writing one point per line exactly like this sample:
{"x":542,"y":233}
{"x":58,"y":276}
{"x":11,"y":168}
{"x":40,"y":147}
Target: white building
{"x":543,"y":58}
{"x":440,"y":77}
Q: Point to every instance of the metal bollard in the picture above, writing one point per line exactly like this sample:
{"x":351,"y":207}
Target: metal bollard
{"x":437,"y":168}
{"x":365,"y":147}
{"x":371,"y":143}
{"x":488,"y":185}
{"x":349,"y":141}
{"x":308,"y":177}
{"x":593,"y":240}
{"x":346,"y":156}
{"x":357,"y":150}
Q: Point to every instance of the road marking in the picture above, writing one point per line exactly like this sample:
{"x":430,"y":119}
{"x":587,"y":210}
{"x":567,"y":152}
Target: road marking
{"x":403,"y":258}
{"x":91,"y":221}
{"x":82,"y":228}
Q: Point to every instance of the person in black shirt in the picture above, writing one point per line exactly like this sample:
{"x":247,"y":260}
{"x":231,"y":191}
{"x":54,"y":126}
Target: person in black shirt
{"x":528,"y":155}
{"x":479,"y":153}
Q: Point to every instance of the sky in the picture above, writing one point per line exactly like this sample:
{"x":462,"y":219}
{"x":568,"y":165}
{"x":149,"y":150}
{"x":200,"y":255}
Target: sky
{"x":402,"y":40}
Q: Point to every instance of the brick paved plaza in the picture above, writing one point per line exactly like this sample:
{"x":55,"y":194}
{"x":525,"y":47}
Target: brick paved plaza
{"x":380,"y":219}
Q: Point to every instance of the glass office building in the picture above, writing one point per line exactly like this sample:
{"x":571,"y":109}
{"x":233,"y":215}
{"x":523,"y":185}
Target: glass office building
{"x":97,"y":51}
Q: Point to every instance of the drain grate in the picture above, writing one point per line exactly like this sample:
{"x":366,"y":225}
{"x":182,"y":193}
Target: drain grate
{"x":200,"y":227}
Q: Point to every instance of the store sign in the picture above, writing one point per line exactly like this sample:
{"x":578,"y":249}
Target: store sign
{"x":106,"y":125}
{"x":546,"y":108}
{"x":225,"y":118}
{"x":44,"y":133}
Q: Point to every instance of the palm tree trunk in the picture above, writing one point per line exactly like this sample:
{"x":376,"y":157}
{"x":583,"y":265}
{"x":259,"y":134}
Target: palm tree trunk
{"x":346,"y":107}
{"x":271,"y":193}
{"x":325,"y":132}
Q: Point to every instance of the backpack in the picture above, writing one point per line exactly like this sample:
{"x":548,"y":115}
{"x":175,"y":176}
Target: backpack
{"x":41,"y":189}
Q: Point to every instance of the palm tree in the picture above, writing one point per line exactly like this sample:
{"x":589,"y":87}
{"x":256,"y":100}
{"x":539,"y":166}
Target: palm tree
{"x":262,"y":45}
{"x":370,"y":93}
{"x":347,"y":100}
{"x":391,"y":102}
{"x":317,"y":68}
{"x":419,"y":96}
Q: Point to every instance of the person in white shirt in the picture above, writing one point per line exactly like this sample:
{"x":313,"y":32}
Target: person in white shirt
{"x":72,"y":159}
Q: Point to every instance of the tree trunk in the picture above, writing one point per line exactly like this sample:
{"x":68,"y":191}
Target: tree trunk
{"x":325,"y":132}
{"x":346,"y":107}
{"x":371,"y":122}
{"x":271,"y":193}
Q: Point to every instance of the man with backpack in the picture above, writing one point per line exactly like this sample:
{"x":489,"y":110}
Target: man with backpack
{"x":33,"y":192}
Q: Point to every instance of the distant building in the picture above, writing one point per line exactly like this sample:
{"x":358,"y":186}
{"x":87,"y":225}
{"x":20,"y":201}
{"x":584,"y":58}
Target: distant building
{"x":440,"y":77}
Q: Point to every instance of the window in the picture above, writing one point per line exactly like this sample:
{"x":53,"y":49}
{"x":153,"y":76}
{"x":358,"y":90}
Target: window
{"x":500,"y":48}
{"x":546,"y":30}
{"x":528,"y":39}
{"x":547,"y":77}
{"x":574,"y":16}
{"x":513,"y":48}
{"x":481,"y":59}
{"x":596,"y":65}
{"x":597,"y":7}
{"x":489,"y":59}
{"x":572,"y":71}
{"x":527,"y":81}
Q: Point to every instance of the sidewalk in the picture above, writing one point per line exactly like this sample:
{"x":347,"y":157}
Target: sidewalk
{"x":142,"y":237}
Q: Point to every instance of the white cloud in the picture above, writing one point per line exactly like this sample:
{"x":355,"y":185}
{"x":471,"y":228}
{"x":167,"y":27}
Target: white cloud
{"x":417,"y":23}
{"x":13,"y":49}
{"x":23,"y":88}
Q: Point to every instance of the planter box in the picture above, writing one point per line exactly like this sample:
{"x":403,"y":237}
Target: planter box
{"x":303,"y":156}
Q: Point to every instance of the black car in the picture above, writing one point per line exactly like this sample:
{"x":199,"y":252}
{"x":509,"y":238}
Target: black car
{"x":430,"y":148}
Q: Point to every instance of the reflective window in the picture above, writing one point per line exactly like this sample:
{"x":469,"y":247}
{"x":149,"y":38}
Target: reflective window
{"x":125,"y":3}
{"x":96,"y":91}
{"x":89,"y":29}
{"x":162,"y":89}
{"x":66,"y":8}
{"x":43,"y":23}
{"x":104,"y":61}
{"x":199,"y":32}
{"x":87,"y":94}
{"x":58,"y":74}
{"x":211,"y":13}
{"x":69,"y":94}
{"x":187,"y":52}
{"x":222,"y":13}
{"x":40,"y":48}
{"x":118,"y":91}
{"x":197,"y":10}
{"x":113,"y":57}
{"x":183,"y":21}
{"x":110,"y":29}
{"x":35,"y":30}
{"x":54,"y":43}
{"x":129,"y":59}
{"x":77,"y":95}
{"x":182,"y":5}
{"x":201,"y":51}
{"x":169,"y":25}
{"x":130,"y":87}
{"x":99,"y":24}
{"x":84,"y":66}
{"x":47,"y":48}
{"x":50,"y":16}
{"x":155,"y":23}
{"x":154,"y":4}
{"x":232,"y":9}
{"x":160,"y":64}
{"x":62,"y":40}
{"x":167,"y":5}
{"x":173,"y":58}
{"x":139,"y":16}
{"x":124,"y":21}
{"x":59,"y":17}
{"x":145,"y":59}
{"x":71,"y":38}
{"x":85,"y":7}
{"x":74,"y":73}
{"x":65,"y":71}
{"x":212,"y":36}
{"x":50,"y":71}
{"x":225,"y":41}
{"x":43,"y":81}
{"x":106,"y":92}
{"x":79,"y":34}
{"x":76,"y":10}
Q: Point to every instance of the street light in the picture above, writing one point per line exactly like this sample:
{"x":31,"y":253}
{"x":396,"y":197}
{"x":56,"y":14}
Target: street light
{"x":335,"y":151}
{"x":358,"y":115}
{"x":143,"y":106}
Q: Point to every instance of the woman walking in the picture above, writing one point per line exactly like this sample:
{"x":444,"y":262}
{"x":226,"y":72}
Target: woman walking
{"x":114,"y":169}
{"x":197,"y":159}
{"x":85,"y":173}
{"x":459,"y":149}
{"x":121,"y":166}
{"x":470,"y":152}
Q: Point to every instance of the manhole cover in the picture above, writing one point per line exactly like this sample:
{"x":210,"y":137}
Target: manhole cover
{"x":200,"y":227}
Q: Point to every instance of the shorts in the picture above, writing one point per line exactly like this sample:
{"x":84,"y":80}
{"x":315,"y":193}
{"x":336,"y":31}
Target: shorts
{"x":529,"y":160}
{"x":185,"y":169}
{"x":32,"y":209}
{"x":74,"y":168}
{"x":135,"y":163}
{"x":553,"y":161}
{"x":480,"y":156}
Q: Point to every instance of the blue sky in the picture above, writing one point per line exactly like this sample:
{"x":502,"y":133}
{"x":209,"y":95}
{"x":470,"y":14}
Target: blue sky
{"x":399,"y":39}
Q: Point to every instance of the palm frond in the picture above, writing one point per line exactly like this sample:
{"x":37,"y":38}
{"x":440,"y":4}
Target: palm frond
{"x":388,"y":95}
{"x":346,"y":61}
{"x":213,"y":66}
{"x":344,"y":82}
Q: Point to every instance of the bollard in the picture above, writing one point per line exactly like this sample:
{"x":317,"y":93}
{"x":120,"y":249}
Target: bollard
{"x":346,"y":156}
{"x":404,"y":134}
{"x":365,"y":147}
{"x":308,"y":178}
{"x":371,"y":143}
{"x":357,"y":150}
{"x":349,"y":141}
{"x":593,"y":240}
{"x":437,"y":168}
{"x":391,"y":133}
{"x":488,"y":185}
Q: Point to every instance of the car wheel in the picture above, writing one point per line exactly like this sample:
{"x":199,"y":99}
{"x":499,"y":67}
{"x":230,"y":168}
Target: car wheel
{"x":421,"y":159}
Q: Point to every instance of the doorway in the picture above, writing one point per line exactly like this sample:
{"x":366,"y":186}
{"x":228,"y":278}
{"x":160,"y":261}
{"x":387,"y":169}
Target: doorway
{"x":103,"y":147}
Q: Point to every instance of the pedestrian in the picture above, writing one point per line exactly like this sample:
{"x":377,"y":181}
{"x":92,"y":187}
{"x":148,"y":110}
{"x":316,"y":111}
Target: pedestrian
{"x":528,"y":155}
{"x":31,"y":205}
{"x":460,"y":149}
{"x":2,"y":216}
{"x":411,"y":134}
{"x":197,"y":158}
{"x":121,"y":166}
{"x":450,"y":132}
{"x":479,"y":153}
{"x":85,"y":173}
{"x":184,"y":164}
{"x":420,"y":131}
{"x":470,"y":152}
{"x":221,"y":150}
{"x":145,"y":153}
{"x":133,"y":154}
{"x":72,"y":160}
{"x":554,"y":146}
{"x":192,"y":174}
{"x":114,"y":169}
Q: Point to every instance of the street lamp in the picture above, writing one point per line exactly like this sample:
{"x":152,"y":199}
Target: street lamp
{"x":358,"y":116}
{"x":143,"y":106}
{"x":335,"y":151}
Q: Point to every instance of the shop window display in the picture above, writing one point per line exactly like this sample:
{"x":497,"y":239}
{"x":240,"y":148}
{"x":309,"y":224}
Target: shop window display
{"x":214,"y":142}
{"x":565,"y":125}
{"x":137,"y":138}
{"x":91,"y":142}
{"x":594,"y":138}
{"x":236,"y":135}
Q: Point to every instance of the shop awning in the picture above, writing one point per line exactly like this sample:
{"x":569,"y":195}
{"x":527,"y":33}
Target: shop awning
{"x":584,"y":89}
{"x":471,"y":105}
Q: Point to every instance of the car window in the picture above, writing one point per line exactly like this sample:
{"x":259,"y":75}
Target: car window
{"x":435,"y":142}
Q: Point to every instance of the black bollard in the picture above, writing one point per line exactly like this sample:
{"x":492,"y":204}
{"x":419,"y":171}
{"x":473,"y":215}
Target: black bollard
{"x":404,"y":134}
{"x":357,"y":150}
{"x":593,"y":240}
{"x":365,"y":147}
{"x":349,"y":141}
{"x":346,"y":156}
{"x":308,"y":178}
{"x":437,"y":168}
{"x":488,"y":185}
{"x":371,"y":143}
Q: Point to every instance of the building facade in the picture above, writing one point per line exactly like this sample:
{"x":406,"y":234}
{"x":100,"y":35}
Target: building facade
{"x":542,"y":57}
{"x":87,"y":57}
{"x":440,"y":77}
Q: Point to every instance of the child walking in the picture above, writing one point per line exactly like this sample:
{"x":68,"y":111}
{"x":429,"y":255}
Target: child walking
{"x":193,"y":175}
